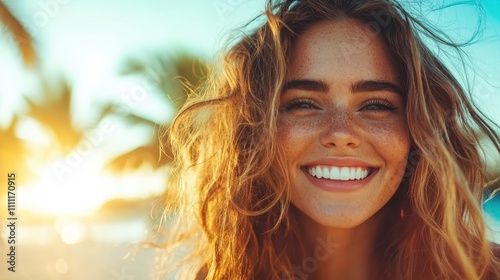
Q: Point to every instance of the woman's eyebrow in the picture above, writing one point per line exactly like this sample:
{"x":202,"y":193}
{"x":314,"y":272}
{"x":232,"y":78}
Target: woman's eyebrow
{"x":376,"y":86}
{"x":309,"y":85}
{"x":365,"y":85}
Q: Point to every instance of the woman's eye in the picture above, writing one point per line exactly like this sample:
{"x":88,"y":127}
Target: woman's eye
{"x":300,"y":104}
{"x":378,"y":105}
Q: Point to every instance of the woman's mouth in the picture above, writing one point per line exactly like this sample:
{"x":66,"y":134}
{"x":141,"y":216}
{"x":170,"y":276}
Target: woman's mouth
{"x":339,"y":173}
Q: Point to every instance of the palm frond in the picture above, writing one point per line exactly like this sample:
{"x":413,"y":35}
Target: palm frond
{"x":22,"y":38}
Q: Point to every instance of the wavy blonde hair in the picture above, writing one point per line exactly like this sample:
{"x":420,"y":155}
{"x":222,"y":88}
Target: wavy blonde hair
{"x":230,"y":184}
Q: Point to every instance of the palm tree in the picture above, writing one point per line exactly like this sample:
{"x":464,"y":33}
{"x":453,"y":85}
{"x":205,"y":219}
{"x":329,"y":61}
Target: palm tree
{"x":12,"y":149}
{"x":22,"y":38}
{"x":54,"y":112}
{"x":187,"y":72}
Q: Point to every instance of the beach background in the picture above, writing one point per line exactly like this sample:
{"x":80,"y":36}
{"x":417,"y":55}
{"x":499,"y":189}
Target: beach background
{"x":87,"y":87}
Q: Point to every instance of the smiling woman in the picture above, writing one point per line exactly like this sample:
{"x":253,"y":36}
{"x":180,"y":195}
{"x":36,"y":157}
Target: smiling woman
{"x":342,"y":114}
{"x":333,"y":144}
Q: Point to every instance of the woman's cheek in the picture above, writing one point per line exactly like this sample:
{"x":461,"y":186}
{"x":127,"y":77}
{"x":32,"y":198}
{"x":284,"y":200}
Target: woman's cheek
{"x":291,"y":130}
{"x":392,"y":142}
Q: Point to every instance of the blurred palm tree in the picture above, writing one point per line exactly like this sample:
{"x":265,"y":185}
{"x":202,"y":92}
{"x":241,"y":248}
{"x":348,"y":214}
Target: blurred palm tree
{"x":12,"y":150}
{"x":178,"y":74}
{"x":54,"y":112}
{"x":21,"y":37}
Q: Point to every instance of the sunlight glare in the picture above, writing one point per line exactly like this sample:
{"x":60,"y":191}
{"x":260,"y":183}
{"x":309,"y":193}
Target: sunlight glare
{"x":31,"y":131}
{"x":61,"y":266}
{"x":78,"y":193}
{"x":72,"y":231}
{"x":88,"y":187}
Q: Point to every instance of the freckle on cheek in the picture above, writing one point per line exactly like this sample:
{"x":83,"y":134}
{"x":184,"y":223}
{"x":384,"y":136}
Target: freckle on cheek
{"x":290,"y":129}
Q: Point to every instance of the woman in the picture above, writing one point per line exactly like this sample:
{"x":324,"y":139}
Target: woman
{"x":333,"y":144}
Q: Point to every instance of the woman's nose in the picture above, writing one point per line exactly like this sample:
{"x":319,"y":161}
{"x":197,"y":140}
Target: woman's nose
{"x":340,"y":131}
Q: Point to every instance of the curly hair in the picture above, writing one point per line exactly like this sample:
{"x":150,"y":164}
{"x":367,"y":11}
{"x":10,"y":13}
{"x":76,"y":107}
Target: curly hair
{"x":230,"y":183}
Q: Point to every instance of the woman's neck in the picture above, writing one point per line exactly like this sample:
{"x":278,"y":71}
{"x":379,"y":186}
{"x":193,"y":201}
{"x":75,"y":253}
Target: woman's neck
{"x":333,"y":253}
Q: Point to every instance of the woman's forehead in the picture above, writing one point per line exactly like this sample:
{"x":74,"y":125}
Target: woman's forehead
{"x":341,"y":49}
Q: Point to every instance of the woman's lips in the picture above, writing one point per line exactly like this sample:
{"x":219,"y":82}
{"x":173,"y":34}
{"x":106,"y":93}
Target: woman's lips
{"x":342,"y":173}
{"x":340,"y":183}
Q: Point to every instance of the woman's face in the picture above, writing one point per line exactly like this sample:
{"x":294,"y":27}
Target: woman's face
{"x":342,"y":124}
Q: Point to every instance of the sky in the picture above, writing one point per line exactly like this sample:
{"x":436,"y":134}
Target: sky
{"x":87,"y":40}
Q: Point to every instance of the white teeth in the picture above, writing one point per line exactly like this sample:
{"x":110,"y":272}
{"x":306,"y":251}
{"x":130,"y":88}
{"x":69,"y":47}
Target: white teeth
{"x":339,"y":173}
{"x":334,"y":172}
{"x":352,"y":173}
{"x":358,"y":173}
{"x":344,"y":173}
{"x":326,"y":173}
{"x":319,"y":172}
